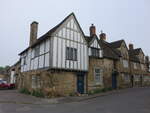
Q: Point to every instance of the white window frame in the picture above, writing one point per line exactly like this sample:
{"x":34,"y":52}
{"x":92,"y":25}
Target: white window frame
{"x":135,"y":65}
{"x":98,"y":81}
{"x":126,"y":78}
{"x":142,"y":66}
{"x":36,"y":81}
{"x":136,"y":78}
{"x":125,"y":63}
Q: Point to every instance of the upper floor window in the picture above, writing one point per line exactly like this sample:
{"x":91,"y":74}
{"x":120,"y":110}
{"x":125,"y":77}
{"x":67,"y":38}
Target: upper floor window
{"x":142,"y":66}
{"x":125,"y":63}
{"x":24,"y":60}
{"x":95,"y":52}
{"x":71,"y":53}
{"x":135,"y":65}
{"x":98,"y":75}
{"x":37,"y":51}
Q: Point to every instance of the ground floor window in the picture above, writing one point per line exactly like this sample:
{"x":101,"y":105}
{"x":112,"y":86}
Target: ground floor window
{"x":98,"y":75}
{"x":126,"y":78}
{"x":136,"y":77}
{"x":36,"y":81}
{"x":146,"y":78}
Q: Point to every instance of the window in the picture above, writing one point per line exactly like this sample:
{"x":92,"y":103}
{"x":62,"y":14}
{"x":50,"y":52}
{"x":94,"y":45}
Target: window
{"x":136,"y":77}
{"x":37,"y":51}
{"x":33,"y":81}
{"x":95,"y":52}
{"x":135,"y":65}
{"x":142,"y":66}
{"x":125,"y":63}
{"x":36,"y":82}
{"x":71,"y":53}
{"x":98,"y":75}
{"x":24,"y":58}
{"x":126,"y":78}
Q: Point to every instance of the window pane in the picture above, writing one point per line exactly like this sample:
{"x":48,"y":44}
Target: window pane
{"x":71,"y":53}
{"x":95,"y":52}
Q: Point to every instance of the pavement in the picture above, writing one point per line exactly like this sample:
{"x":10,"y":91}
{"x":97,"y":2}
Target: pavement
{"x":13,"y":96}
{"x":132,"y":100}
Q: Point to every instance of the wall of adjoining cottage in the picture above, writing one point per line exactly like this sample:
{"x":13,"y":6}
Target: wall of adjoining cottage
{"x":107,"y":67}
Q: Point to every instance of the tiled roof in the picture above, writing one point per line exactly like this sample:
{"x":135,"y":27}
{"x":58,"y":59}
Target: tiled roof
{"x":135,"y":51}
{"x":116,"y":44}
{"x":88,"y":39}
{"x":108,"y":52}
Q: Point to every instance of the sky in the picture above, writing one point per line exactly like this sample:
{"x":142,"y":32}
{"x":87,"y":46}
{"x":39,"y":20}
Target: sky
{"x":119,"y":19}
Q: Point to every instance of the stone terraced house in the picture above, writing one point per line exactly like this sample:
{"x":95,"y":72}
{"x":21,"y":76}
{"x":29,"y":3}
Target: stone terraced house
{"x":65,"y":61}
{"x":122,"y":64}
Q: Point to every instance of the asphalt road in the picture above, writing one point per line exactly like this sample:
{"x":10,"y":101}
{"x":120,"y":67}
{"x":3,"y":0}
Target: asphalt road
{"x":135,"y":100}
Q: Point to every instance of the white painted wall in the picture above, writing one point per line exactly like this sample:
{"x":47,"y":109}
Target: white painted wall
{"x":12,"y":77}
{"x":52,"y":52}
{"x":95,"y":44}
{"x":69,"y":35}
{"x":32,"y":62}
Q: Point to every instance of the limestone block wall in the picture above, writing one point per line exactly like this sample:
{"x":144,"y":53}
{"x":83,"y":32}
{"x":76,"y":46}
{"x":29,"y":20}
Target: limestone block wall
{"x":56,"y":83}
{"x":107,"y":67}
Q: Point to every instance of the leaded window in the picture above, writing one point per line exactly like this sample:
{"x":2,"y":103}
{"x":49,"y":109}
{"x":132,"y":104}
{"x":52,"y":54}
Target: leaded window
{"x":71,"y":53}
{"x":95,"y":52}
{"x":98,"y":75}
{"x":37,"y":51}
{"x":36,"y":81}
{"x":125,"y":63}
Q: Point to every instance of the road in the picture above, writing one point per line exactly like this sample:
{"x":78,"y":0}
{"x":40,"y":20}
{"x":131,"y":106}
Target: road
{"x":133,"y":100}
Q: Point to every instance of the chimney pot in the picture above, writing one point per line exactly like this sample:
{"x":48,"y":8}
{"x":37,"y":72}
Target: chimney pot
{"x":92,"y":30}
{"x":102,"y":36}
{"x":131,"y":46}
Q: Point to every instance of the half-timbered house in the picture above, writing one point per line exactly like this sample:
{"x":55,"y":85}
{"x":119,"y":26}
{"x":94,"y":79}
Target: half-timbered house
{"x":58,"y":60}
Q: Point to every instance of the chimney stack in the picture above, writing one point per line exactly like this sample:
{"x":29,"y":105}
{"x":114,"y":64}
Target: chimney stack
{"x":102,"y":36}
{"x":131,"y":47}
{"x":33,"y":32}
{"x":92,"y":30}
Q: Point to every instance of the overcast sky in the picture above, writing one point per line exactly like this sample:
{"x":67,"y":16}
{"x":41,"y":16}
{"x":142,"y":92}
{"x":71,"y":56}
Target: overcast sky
{"x":119,"y":19}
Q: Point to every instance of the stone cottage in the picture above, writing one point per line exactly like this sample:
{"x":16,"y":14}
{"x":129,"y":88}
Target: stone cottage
{"x":137,"y":65}
{"x":102,"y":59}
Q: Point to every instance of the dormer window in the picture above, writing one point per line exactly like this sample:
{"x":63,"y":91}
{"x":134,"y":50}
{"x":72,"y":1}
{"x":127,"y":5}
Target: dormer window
{"x":95,"y":52}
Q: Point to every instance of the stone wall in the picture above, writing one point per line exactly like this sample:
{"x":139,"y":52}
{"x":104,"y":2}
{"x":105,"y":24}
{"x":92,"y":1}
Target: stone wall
{"x":107,"y":66}
{"x":51,"y":83}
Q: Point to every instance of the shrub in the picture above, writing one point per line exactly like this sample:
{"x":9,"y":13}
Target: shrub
{"x":25,"y":91}
{"x":37,"y":93}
